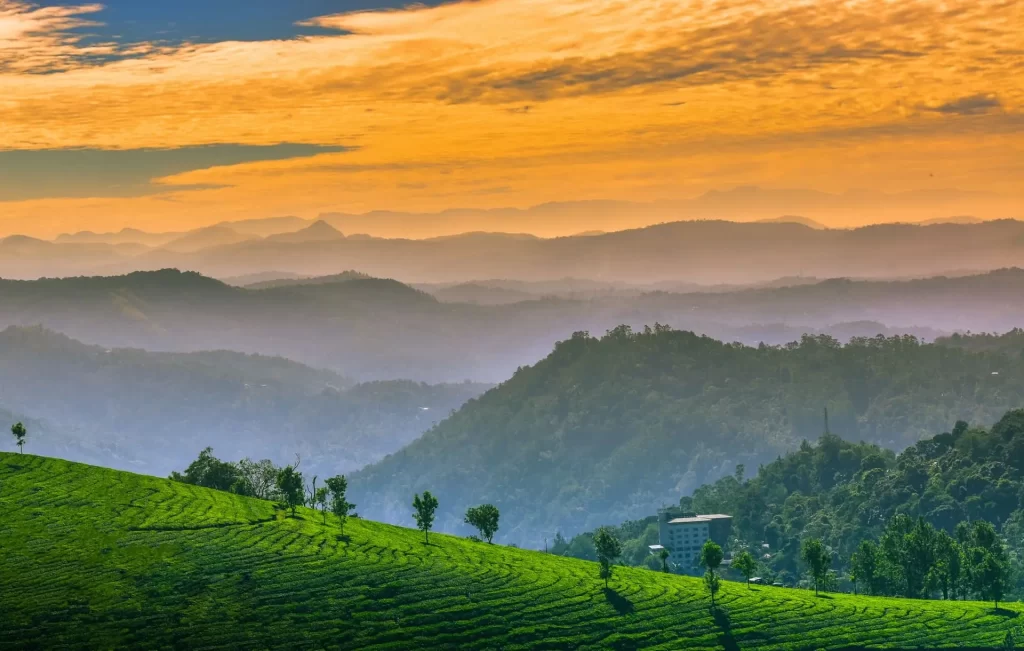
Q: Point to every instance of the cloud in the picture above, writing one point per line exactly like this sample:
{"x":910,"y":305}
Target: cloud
{"x":537,"y":97}
{"x":33,"y":174}
{"x":45,"y":40}
{"x":973,"y":105}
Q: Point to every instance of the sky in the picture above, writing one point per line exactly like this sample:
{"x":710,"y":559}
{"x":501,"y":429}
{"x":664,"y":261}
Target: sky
{"x":171,"y":115}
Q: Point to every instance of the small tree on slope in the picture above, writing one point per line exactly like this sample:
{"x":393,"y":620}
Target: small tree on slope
{"x":746,"y":565}
{"x":425,"y":507}
{"x":711,"y":558}
{"x":289,"y":484}
{"x":608,"y":549}
{"x":485,"y":519}
{"x":340,"y":506}
{"x":19,"y":432}
{"x":818,"y":561}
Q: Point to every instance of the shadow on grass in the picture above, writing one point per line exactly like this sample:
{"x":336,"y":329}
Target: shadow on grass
{"x":1003,"y":612}
{"x":621,"y":605}
{"x":342,"y":537}
{"x":726,"y":639}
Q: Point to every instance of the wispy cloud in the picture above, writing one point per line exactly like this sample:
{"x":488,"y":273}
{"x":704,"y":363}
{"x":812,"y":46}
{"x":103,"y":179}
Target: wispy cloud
{"x":46,"y":40}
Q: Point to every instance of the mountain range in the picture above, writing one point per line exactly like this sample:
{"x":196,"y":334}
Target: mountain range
{"x":702,"y":253}
{"x":369,"y":328}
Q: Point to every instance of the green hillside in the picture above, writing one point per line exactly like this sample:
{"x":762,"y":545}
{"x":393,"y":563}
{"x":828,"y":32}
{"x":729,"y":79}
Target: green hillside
{"x":98,"y":558}
{"x":605,"y":429}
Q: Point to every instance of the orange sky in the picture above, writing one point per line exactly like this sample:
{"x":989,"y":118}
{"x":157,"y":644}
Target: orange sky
{"x":517,"y":102}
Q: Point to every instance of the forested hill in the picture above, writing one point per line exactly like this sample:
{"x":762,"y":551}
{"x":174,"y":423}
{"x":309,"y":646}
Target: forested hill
{"x":844,"y":493}
{"x":605,"y":430}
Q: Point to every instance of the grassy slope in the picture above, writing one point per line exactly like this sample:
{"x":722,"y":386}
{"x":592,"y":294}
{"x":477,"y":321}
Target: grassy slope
{"x":100,"y":558}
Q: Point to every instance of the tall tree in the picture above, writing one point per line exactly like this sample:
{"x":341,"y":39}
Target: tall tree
{"x":991,"y":578}
{"x":340,"y":506}
{"x":291,"y":488}
{"x":425,"y":508}
{"x":19,"y":432}
{"x":663,"y":555}
{"x":947,"y":570}
{"x":321,"y":499}
{"x":710,"y":559}
{"x":746,"y":565}
{"x":864,"y":566}
{"x":485,"y":519}
{"x":818,"y":560}
{"x":608,"y":549}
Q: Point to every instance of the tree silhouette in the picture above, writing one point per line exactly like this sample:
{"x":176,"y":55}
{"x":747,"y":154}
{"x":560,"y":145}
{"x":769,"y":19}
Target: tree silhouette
{"x":19,"y":432}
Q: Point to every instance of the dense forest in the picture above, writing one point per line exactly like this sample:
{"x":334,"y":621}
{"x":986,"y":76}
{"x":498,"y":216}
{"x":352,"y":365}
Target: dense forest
{"x":153,"y":412}
{"x":605,"y":428}
{"x":859,"y":500}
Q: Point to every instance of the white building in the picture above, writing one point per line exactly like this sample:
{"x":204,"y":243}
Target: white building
{"x":684,"y":537}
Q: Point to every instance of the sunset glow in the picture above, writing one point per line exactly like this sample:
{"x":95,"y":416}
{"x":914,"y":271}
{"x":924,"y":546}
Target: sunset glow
{"x":518,"y":102}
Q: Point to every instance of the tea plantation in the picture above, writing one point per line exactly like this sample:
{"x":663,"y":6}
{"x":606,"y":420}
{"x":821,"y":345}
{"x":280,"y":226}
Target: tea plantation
{"x":96,"y":558}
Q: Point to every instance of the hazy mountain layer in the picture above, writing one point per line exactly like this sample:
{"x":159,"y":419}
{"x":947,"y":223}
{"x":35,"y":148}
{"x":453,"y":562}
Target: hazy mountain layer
{"x":154,"y":412}
{"x":370,"y":329}
{"x":702,"y":252}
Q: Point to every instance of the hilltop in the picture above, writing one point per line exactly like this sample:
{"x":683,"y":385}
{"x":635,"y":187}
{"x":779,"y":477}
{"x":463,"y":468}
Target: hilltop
{"x":99,"y":558}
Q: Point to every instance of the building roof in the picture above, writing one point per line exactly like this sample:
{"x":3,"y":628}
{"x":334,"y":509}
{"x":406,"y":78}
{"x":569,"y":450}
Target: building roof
{"x":655,"y":548}
{"x":701,"y":518}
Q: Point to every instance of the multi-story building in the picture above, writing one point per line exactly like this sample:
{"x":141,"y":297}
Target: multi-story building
{"x":684,"y":534}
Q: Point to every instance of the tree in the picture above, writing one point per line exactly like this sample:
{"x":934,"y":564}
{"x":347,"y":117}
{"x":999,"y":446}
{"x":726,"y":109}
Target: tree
{"x":663,"y":555}
{"x":818,"y":560}
{"x":425,"y":507}
{"x":320,"y":498}
{"x":608,"y":550}
{"x":19,"y":432}
{"x":485,"y":519}
{"x":291,"y":488}
{"x":258,"y":477}
{"x":710,"y":559}
{"x":991,"y":578}
{"x":864,"y":566}
{"x":947,"y":571}
{"x":210,"y":472}
{"x":746,"y":565}
{"x":340,"y":506}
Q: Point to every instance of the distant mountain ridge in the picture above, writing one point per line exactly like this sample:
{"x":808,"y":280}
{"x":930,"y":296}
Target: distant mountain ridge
{"x":694,"y":252}
{"x":375,"y":329}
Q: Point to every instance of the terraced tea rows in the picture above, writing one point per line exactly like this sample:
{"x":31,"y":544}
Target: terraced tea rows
{"x":99,"y":558}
